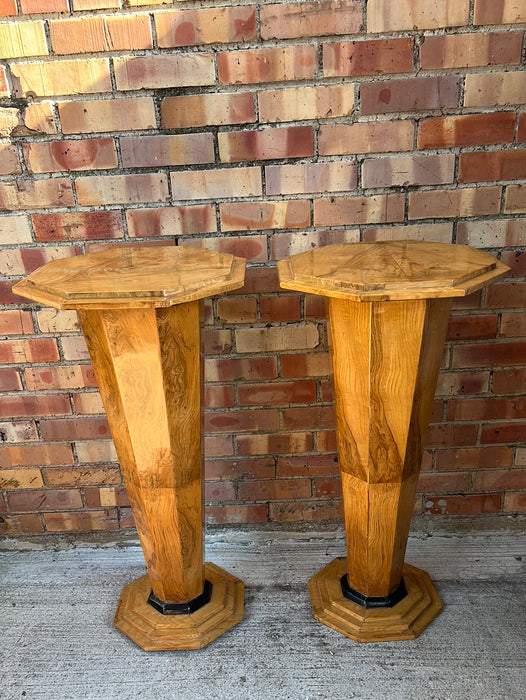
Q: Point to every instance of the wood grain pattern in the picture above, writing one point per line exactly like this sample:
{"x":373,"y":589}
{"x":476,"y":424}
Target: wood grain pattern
{"x":390,"y":270}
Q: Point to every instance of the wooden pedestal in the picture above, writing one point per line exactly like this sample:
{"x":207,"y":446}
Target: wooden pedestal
{"x":389,"y":307}
{"x":140,"y":313}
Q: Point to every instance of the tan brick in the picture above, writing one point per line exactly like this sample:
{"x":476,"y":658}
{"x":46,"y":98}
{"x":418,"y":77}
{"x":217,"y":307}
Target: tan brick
{"x":55,"y":156}
{"x":466,"y":50}
{"x":15,"y":230}
{"x":9,"y":119}
{"x":368,"y":57}
{"x":78,"y":226}
{"x":411,"y":94}
{"x":78,"y":5}
{"x":61,"y":77}
{"x":254,"y":216}
{"x":36,"y":455}
{"x":466,"y":130}
{"x":442,"y":233}
{"x":515,"y":200}
{"x":368,"y":137}
{"x":107,"y":115}
{"x":74,"y":348}
{"x":205,"y":26}
{"x":177,"y":70}
{"x":100,"y":33}
{"x":408,"y":170}
{"x":236,"y":309}
{"x":18,"y":431}
{"x":11,"y":479}
{"x":69,"y":377}
{"x":501,"y":12}
{"x":36,"y":194}
{"x":56,"y":321}
{"x":96,"y":451}
{"x":171,"y":221}
{"x":310,"y":177}
{"x":39,"y":117}
{"x":216,"y":184}
{"x":266,"y":144}
{"x":483,"y":89}
{"x":122,"y":189}
{"x":9,"y":163}
{"x":387,"y":16}
{"x":480,"y":201}
{"x":88,"y":403}
{"x":358,"y":210}
{"x":308,"y":19}
{"x":296,"y":104}
{"x":152,"y":151}
{"x":22,"y":261}
{"x":282,"y":245}
{"x":277,"y":339}
{"x":267,"y":65}
{"x":207,"y":110}
{"x":278,"y":443}
{"x":22,"y":39}
{"x":492,"y":233}
{"x":82,"y":521}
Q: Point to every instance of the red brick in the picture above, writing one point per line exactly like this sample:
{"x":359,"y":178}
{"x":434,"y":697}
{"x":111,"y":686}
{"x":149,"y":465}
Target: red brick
{"x":327,"y":488}
{"x":100,"y":33}
{"x":499,"y":480}
{"x":122,"y":189}
{"x":55,"y":156}
{"x":315,"y":306}
{"x":13,"y":479}
{"x":23,"y":501}
{"x":4,"y":90}
{"x":256,"y":468}
{"x":267,"y":65}
{"x":239,"y":514}
{"x":155,"y":151}
{"x":385,"y":16}
{"x":29,"y":7}
{"x":280,"y":443}
{"x":299,"y":104}
{"x":235,"y":369}
{"x":219,"y":491}
{"x":254,"y":216}
{"x":68,"y":377}
{"x":36,"y":455}
{"x":305,"y":511}
{"x":506,"y":295}
{"x":26,"y":260}
{"x":443,"y":483}
{"x":219,"y":396}
{"x":308,"y":19}
{"x":413,"y":94}
{"x":515,"y":502}
{"x":28,"y":351}
{"x":451,"y":435}
{"x":84,"y":117}
{"x":466,"y":50}
{"x":16,"y":322}
{"x":367,"y":137}
{"x":499,"y":12}
{"x":280,"y":308}
{"x":164,"y":71}
{"x":260,"y":279}
{"x":8,"y":7}
{"x":170,"y":221}
{"x":436,"y":204}
{"x":273,"y":393}
{"x":466,"y":130}
{"x":511,"y":381}
{"x":252,"y":248}
{"x":18,"y":431}
{"x":82,"y":521}
{"x":218,"y":342}
{"x":462,"y":505}
{"x":513,"y":325}
{"x":472,"y":327}
{"x":78,"y":226}
{"x":207,"y":110}
{"x":408,"y":170}
{"x":236,"y":309}
{"x":311,"y":365}
{"x":489,"y":355}
{"x":309,"y":465}
{"x":474,"y":458}
{"x":521,"y":129}
{"x":472,"y":301}
{"x":71,"y":429}
{"x":516,"y":261}
{"x":358,"y":210}
{"x":218,"y":446}
{"x":275,"y":490}
{"x":205,"y":26}
{"x":106,"y":497}
{"x":37,"y":194}
{"x":462,"y":383}
{"x":368,"y":57}
{"x":484,"y":166}
{"x":264,"y":144}
{"x":9,"y":163}
{"x":515,"y":201}
{"x":503,"y":433}
{"x":10,"y":379}
{"x":87,"y":403}
{"x":21,"y":525}
{"x":322,"y":417}
{"x":486,"y":409}
{"x":41,"y":405}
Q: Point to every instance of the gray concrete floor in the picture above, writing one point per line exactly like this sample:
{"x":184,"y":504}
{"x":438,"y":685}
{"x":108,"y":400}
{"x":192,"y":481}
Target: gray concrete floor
{"x":57,"y":641}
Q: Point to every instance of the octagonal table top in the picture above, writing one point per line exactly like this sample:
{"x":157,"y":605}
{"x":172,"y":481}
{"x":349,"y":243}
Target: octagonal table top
{"x":131,"y":277}
{"x":390,"y":270}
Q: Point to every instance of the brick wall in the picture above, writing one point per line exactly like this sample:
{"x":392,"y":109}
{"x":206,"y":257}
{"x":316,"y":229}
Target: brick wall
{"x":260,"y":129}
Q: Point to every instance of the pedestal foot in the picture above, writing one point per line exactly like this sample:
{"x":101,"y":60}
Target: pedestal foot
{"x":153,"y":631}
{"x":405,"y":620}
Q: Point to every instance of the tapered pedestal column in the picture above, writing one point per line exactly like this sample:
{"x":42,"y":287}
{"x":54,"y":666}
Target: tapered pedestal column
{"x":389,"y":307}
{"x":140,"y":313}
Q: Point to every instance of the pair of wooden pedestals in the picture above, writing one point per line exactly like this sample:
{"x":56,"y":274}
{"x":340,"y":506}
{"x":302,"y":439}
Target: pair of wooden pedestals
{"x":389,"y":306}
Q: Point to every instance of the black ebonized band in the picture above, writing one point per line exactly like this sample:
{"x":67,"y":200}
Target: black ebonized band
{"x":387,"y":601}
{"x":182,"y":608}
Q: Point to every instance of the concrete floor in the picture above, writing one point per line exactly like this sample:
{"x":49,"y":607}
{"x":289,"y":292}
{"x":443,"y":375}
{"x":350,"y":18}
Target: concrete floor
{"x":57,"y":641}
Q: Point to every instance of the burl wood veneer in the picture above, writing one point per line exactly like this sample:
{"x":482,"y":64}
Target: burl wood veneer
{"x":389,"y":305}
{"x":139,"y":309}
